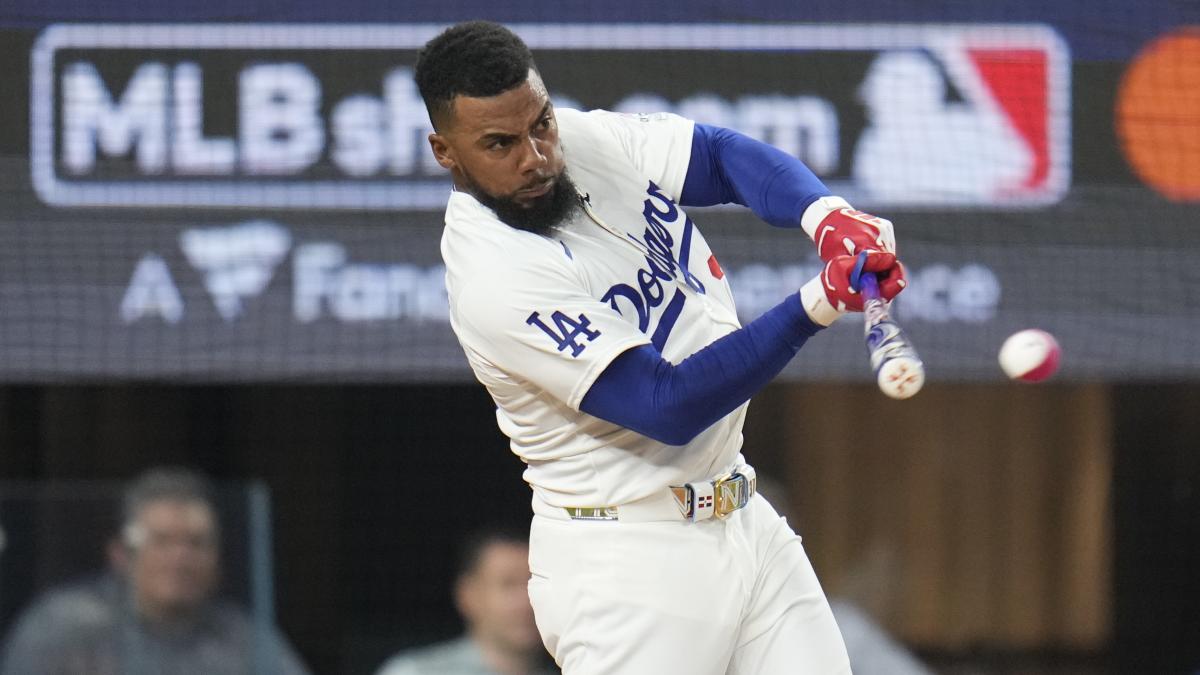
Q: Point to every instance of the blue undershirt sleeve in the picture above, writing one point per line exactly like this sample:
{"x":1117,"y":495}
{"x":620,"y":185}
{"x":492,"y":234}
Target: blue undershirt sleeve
{"x":642,"y":391}
{"x":728,"y":167}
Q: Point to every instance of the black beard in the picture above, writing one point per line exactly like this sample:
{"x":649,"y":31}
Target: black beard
{"x":539,"y":216}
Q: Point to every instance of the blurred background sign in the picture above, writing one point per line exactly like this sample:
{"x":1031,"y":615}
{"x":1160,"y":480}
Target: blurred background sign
{"x":233,"y":202}
{"x":219,"y":247}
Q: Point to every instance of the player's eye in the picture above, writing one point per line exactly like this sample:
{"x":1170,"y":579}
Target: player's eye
{"x":499,"y":143}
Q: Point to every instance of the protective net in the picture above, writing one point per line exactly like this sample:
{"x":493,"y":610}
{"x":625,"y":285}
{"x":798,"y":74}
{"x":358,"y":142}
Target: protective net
{"x":257,"y":201}
{"x":229,"y":215}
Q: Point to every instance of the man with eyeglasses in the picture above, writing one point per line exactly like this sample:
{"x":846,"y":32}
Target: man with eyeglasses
{"x":156,"y":609}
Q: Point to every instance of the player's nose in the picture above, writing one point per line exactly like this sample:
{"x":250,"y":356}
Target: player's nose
{"x":534,"y":156}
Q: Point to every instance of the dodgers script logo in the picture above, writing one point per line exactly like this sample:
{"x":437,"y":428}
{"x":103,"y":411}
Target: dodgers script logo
{"x":650,"y":285}
{"x":649,"y":292}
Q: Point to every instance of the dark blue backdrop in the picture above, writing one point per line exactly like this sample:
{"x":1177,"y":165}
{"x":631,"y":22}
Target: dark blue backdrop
{"x":1106,"y":30}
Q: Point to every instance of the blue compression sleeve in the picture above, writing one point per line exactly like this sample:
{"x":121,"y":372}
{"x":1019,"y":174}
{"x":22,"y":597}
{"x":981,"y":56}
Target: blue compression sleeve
{"x":642,"y":391}
{"x":729,"y":167}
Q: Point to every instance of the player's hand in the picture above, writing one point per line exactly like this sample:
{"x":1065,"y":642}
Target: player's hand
{"x":834,"y":291}
{"x":837,"y":229}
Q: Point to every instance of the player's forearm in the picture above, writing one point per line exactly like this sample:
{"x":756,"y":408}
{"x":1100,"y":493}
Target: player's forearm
{"x":642,"y":391}
{"x":729,"y":167}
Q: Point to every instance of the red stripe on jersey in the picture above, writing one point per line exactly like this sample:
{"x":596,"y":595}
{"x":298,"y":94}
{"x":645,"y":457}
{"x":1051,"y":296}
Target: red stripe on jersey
{"x":715,"y":267}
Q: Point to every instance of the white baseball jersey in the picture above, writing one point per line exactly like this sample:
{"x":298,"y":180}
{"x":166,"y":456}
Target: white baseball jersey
{"x":540,"y":317}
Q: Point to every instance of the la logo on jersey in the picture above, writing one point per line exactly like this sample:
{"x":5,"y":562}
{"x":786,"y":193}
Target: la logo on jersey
{"x":566,"y":331}
{"x":970,"y":119}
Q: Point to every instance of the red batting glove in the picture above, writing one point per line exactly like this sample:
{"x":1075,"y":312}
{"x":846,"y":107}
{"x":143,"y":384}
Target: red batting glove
{"x":891,"y":280}
{"x":837,"y":229}
{"x":834,"y":291}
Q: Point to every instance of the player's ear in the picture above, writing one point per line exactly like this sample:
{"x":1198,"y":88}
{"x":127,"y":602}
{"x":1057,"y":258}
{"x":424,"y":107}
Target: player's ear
{"x":442,"y":151}
{"x":119,"y":555}
{"x":465,"y":593}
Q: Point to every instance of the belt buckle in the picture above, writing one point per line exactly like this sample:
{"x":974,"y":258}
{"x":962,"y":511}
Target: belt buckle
{"x":733,"y":491}
{"x":730,"y":489}
{"x":718,"y":497}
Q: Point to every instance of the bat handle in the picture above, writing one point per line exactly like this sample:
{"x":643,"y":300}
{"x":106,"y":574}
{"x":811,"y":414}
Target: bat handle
{"x":875,"y":309}
{"x":869,"y":286}
{"x":866,"y":282}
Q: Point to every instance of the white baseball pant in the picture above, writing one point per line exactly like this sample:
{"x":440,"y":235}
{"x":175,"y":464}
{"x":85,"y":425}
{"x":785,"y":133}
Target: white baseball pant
{"x":717,"y":597}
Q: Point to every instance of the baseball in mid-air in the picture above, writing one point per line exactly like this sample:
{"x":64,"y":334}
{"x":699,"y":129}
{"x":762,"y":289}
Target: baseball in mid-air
{"x":1030,"y":355}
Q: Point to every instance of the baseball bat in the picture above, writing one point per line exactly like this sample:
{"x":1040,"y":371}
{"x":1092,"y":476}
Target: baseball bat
{"x":898,"y":370}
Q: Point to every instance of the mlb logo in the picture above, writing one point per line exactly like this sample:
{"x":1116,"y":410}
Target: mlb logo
{"x":966,"y":116}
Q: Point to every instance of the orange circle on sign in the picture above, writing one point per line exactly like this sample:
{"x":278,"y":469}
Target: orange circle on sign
{"x":1158,"y":114}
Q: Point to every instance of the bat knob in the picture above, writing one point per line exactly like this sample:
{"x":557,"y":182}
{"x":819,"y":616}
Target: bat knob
{"x":901,"y":377}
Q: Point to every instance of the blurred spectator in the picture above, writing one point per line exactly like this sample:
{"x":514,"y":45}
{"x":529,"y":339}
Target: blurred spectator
{"x":491,"y":593}
{"x":154,"y":610}
{"x":872,"y":650}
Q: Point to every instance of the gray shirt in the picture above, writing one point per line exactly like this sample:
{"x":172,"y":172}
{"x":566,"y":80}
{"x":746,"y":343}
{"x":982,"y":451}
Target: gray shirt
{"x":90,"y":629}
{"x":454,"y":657}
{"x":872,"y":650}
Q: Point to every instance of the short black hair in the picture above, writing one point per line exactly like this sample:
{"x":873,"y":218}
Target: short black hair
{"x":472,"y":546}
{"x":171,"y":483}
{"x":475,"y":58}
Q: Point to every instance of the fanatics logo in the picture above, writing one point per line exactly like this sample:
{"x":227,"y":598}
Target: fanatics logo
{"x":237,"y":261}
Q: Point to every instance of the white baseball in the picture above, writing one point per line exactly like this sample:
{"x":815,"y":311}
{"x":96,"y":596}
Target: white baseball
{"x":1030,"y":355}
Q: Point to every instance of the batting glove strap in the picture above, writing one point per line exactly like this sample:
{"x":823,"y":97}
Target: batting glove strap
{"x":816,"y":303}
{"x":817,"y":211}
{"x":837,"y":229}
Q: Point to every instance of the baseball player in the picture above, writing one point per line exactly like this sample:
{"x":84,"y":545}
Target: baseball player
{"x":591,"y":307}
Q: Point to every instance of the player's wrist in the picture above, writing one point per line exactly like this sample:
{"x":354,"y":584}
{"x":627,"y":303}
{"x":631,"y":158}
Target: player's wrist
{"x":816,"y":213}
{"x":816,"y":303}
